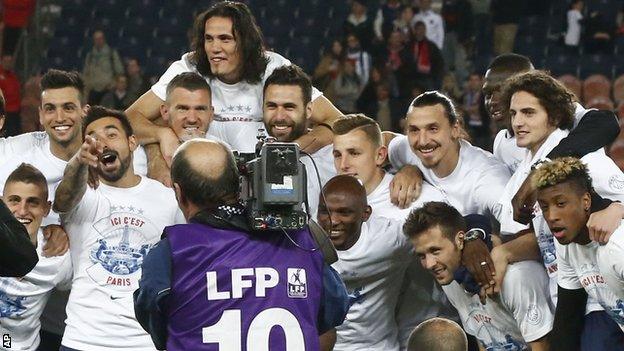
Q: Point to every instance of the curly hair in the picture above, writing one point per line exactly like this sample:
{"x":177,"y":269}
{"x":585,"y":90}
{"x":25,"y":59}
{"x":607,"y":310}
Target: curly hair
{"x":561,"y":170}
{"x":556,"y":99}
{"x":248,"y":37}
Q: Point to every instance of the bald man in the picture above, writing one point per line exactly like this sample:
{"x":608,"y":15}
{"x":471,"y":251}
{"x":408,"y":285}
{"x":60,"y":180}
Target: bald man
{"x":373,"y":254}
{"x":214,"y":284}
{"x":438,"y":334}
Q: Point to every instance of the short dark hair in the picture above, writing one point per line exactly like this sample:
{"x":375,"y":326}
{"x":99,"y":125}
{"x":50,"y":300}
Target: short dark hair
{"x":200,"y":189}
{"x":561,"y":170}
{"x":57,"y":79}
{"x":511,"y":63}
{"x":97,"y":112}
{"x":359,"y":121}
{"x":556,"y":99}
{"x":27,"y":173}
{"x":190,"y":81}
{"x":432,"y":98}
{"x":291,"y":75}
{"x":248,"y":40}
{"x":433,"y":214}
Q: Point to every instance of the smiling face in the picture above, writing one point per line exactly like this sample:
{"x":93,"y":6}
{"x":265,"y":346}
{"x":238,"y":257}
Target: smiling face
{"x":28,"y":203}
{"x":342,"y":215}
{"x":115,"y":162}
{"x":61,"y":115}
{"x":529,"y":121}
{"x":438,"y":254}
{"x":564,"y":208}
{"x":432,"y":137}
{"x":222,"y":50}
{"x":188,"y":113}
{"x":285,"y":114}
{"x":492,"y":85}
{"x":356,"y":155}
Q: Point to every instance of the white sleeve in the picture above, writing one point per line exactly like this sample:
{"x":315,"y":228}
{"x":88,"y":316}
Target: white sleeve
{"x":180,"y":66}
{"x":400,"y":153}
{"x":525,"y":292}
{"x":607,"y":178}
{"x":610,"y":259}
{"x":16,"y":145}
{"x":490,"y":186}
{"x":566,"y":275}
{"x":139,"y":161}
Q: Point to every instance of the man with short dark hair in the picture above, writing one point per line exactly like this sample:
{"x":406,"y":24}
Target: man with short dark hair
{"x":520,"y":318}
{"x":438,"y":334}
{"x":270,"y":290}
{"x":111,"y":230}
{"x":25,"y":194}
{"x":287,"y":107}
{"x":228,"y":51}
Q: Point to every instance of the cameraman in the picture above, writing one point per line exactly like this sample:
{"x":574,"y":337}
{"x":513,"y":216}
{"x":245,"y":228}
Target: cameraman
{"x":211,"y":283}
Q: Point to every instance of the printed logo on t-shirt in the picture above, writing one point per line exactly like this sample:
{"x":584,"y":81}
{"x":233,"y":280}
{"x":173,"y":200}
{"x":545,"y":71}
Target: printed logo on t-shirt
{"x":534,"y":316}
{"x":594,"y":283}
{"x":119,"y":252}
{"x":297,"y":284}
{"x":483,"y":325}
{"x":11,"y":306}
{"x":616,"y":182}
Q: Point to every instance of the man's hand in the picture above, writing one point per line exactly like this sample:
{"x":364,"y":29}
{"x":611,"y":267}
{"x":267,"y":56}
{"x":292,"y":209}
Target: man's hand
{"x":406,"y":186}
{"x":500,"y":257}
{"x":57,"y":241}
{"x":603,"y":223}
{"x":90,"y":152}
{"x":315,"y":139}
{"x":169,"y":143}
{"x":524,"y":201}
{"x":476,"y":257}
{"x":156,"y":166}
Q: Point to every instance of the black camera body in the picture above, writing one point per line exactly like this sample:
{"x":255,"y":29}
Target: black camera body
{"x":274,"y":186}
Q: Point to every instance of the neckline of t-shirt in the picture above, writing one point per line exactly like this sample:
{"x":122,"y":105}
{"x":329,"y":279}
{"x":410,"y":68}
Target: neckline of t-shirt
{"x":457,"y":166}
{"x":379,"y":189}
{"x":133,"y":189}
{"x":225,"y":86}
{"x":57,"y":161}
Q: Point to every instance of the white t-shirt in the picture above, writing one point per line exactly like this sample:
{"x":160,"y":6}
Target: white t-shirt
{"x":324,"y":161}
{"x":507,"y":151}
{"x":434,"y":24}
{"x":111,"y":230}
{"x":573,"y":35}
{"x":237,"y":107}
{"x":34,"y":148}
{"x":421,"y":298}
{"x":578,"y":268}
{"x":610,"y":259}
{"x":22,"y":299}
{"x":475,"y":184}
{"x":607,"y":180}
{"x":373,"y":270}
{"x":521,"y":314}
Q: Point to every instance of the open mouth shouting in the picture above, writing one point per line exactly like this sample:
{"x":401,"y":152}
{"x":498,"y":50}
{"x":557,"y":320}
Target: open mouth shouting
{"x":107,"y":160}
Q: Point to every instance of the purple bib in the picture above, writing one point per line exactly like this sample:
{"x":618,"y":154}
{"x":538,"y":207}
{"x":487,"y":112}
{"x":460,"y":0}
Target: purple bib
{"x":234,"y":291}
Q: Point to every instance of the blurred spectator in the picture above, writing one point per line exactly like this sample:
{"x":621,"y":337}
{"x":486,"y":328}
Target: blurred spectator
{"x":619,"y":21}
{"x":11,"y":87}
{"x":385,"y":109}
{"x":475,"y":121}
{"x":327,"y":69}
{"x":386,"y":15}
{"x":396,"y":54}
{"x":361,"y":59}
{"x":573,"y":32}
{"x":380,"y":75}
{"x":102,"y":65}
{"x":117,"y":98}
{"x":483,"y":27}
{"x":598,"y":34}
{"x":451,"y":89}
{"x":403,"y":24}
{"x":359,"y":24}
{"x":459,"y":26}
{"x":428,"y":65}
{"x":15,"y":15}
{"x":346,"y":88}
{"x":505,"y":15}
{"x":137,"y":82}
{"x":433,"y":22}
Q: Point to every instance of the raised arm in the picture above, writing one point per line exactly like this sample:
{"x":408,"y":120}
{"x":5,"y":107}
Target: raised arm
{"x":324,"y":114}
{"x":74,"y":183}
{"x":594,"y":131}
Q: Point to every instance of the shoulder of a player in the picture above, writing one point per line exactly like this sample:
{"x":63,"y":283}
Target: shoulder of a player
{"x":384,"y":228}
{"x":275,"y":60}
{"x":523,"y":275}
{"x":482,"y":161}
{"x":155,"y":187}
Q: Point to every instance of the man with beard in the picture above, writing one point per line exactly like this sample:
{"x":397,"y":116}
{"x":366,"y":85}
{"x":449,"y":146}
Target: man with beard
{"x":111,"y":229}
{"x":373,"y":254}
{"x":286,"y":109}
{"x":585,"y":267}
